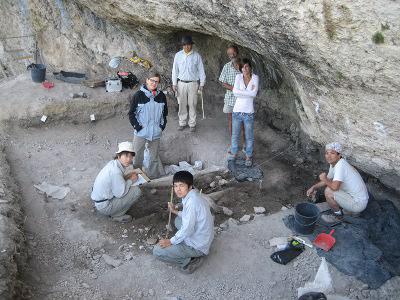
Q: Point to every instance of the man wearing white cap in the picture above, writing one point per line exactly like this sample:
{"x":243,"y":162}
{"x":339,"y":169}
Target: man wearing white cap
{"x":112,"y":192}
{"x":345,"y":188}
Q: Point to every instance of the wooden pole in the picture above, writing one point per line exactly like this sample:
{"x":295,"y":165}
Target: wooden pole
{"x":170,"y":213}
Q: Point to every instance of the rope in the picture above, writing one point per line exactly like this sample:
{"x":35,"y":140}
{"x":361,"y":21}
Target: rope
{"x":273,"y":157}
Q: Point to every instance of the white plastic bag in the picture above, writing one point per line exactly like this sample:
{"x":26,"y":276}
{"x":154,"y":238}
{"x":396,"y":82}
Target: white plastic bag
{"x":322,"y":282}
{"x":198,"y":165}
{"x":146,"y":157}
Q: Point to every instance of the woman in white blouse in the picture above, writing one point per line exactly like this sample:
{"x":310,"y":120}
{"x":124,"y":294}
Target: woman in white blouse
{"x":245,"y":90}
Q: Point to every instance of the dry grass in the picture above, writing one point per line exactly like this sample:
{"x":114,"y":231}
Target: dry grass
{"x":378,"y":38}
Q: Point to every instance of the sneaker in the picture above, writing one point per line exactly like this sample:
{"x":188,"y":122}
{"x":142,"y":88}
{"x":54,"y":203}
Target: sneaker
{"x":351,"y":214}
{"x":248,"y":162}
{"x":194,"y":263}
{"x":330,"y":219}
{"x":122,"y":219}
{"x":192,"y":129}
{"x":180,"y":128}
{"x":231,"y":156}
{"x":338,"y":213}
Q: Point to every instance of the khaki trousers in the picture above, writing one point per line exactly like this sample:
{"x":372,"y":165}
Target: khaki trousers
{"x":117,"y":207}
{"x":155,"y":169}
{"x":187,"y":97}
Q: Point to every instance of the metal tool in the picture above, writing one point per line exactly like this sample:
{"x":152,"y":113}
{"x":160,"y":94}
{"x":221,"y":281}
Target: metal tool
{"x":302,"y":241}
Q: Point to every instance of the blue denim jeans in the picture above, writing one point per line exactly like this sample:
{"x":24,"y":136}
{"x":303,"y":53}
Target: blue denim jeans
{"x":248,"y":121}
{"x":178,"y":254}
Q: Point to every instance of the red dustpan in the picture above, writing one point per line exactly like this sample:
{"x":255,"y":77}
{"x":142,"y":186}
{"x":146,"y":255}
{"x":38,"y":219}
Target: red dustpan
{"x":325,"y":241}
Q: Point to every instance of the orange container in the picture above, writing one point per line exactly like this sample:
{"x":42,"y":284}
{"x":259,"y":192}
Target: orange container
{"x":325,"y":241}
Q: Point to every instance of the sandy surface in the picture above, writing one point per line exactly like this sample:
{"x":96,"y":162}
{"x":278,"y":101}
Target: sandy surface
{"x":23,"y":99}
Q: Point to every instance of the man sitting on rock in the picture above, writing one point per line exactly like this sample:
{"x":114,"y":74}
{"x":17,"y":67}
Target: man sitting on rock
{"x":112,"y":192}
{"x":195,"y":226}
{"x":345,"y":188}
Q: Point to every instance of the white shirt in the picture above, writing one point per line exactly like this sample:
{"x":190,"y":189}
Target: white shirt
{"x":351,"y":181}
{"x":188,"y":67}
{"x":245,"y":94}
{"x":110,"y":183}
{"x":197,"y":228}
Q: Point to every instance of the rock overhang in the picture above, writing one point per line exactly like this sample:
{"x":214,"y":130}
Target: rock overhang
{"x":323,"y":49}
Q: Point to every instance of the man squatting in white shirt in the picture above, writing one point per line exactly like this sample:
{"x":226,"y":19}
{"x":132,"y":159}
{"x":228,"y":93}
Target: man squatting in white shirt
{"x":344,"y":187}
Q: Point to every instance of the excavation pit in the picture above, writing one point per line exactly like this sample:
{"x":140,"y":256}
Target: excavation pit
{"x":68,"y":154}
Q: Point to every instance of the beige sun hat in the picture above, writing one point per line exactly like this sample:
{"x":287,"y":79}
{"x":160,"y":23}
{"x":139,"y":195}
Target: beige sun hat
{"x":125,"y":146}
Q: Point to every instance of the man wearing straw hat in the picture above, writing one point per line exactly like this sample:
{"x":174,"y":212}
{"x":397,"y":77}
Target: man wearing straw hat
{"x":195,"y":225}
{"x":112,"y":192}
{"x":344,"y":187}
{"x":187,"y":71}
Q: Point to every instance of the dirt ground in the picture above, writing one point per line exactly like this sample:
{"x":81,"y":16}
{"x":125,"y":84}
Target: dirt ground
{"x":67,"y":239}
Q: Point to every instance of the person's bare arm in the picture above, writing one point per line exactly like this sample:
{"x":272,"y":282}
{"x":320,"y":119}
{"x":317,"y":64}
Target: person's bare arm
{"x":172,"y":208}
{"x":312,"y":190}
{"x":227,"y":86}
{"x":132,"y":176}
{"x":165,"y":243}
{"x":334,"y":185}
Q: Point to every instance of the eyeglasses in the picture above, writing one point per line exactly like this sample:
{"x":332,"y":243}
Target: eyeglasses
{"x":154,"y":81}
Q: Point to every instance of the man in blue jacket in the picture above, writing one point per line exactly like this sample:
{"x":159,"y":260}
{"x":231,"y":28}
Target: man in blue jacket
{"x":148,"y":116}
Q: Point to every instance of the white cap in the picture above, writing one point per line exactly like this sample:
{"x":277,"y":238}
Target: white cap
{"x":334,"y":146}
{"x":125,"y":146}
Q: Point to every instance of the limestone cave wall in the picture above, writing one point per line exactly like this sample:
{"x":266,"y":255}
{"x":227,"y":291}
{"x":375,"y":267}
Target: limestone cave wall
{"x":329,"y":69}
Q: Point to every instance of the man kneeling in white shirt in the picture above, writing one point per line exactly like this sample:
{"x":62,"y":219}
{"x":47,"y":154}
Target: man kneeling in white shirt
{"x":195,"y":225}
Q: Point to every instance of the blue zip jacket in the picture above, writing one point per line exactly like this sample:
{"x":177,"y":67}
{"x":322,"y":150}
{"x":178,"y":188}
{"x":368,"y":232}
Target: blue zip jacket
{"x":148,"y":113}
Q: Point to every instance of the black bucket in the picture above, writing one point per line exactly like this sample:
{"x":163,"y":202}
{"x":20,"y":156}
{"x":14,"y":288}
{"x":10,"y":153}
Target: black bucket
{"x":305,"y":217}
{"x":38,"y":72}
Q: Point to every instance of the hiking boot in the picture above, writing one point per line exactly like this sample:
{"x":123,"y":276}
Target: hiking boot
{"x":248,"y":162}
{"x":194,"y":263}
{"x":122,"y":219}
{"x":192,"y":129}
{"x":180,"y":128}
